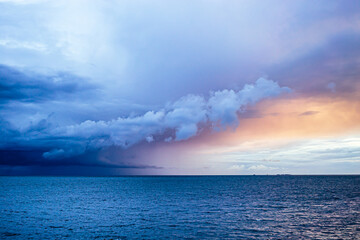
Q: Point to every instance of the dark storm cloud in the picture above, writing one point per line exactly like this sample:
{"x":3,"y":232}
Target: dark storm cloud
{"x":79,"y":143}
{"x":32,"y":157}
{"x":16,"y":85}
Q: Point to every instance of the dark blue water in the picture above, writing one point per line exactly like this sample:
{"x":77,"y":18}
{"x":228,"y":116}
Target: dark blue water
{"x":251,"y":207}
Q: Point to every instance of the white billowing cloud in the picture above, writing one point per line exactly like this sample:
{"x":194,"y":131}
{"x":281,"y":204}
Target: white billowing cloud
{"x":122,"y":131}
{"x":261,"y":167}
{"x":224,"y":106}
{"x":253,"y":168}
{"x":185,"y":114}
{"x":238,"y":167}
{"x":186,"y":131}
{"x":256,"y":92}
{"x":149,"y":139}
{"x":186,"y":117}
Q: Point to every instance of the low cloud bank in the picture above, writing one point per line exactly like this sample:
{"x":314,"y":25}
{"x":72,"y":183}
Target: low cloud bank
{"x":177,"y":121}
{"x":186,"y":117}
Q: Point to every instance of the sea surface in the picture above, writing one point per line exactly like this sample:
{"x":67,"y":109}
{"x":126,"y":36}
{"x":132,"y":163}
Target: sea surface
{"x":191,"y":207}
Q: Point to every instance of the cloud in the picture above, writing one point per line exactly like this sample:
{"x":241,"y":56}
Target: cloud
{"x":22,"y":1}
{"x":9,"y":43}
{"x":308,"y":155}
{"x":177,"y":121}
{"x":252,"y":168}
{"x":225,"y":105}
{"x":308,"y":113}
{"x":131,"y":46}
{"x":237,"y":167}
{"x":326,"y":67}
{"x":54,"y":153}
{"x":331,"y":86}
{"x":261,"y":168}
{"x":14,"y":159}
{"x":185,"y":116}
{"x":149,"y":139}
{"x":78,"y":76}
{"x":31,"y":87}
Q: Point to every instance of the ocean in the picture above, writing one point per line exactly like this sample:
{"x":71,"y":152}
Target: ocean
{"x":180,"y":207}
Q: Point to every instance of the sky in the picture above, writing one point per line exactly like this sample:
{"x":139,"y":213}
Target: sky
{"x":179,"y":87}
